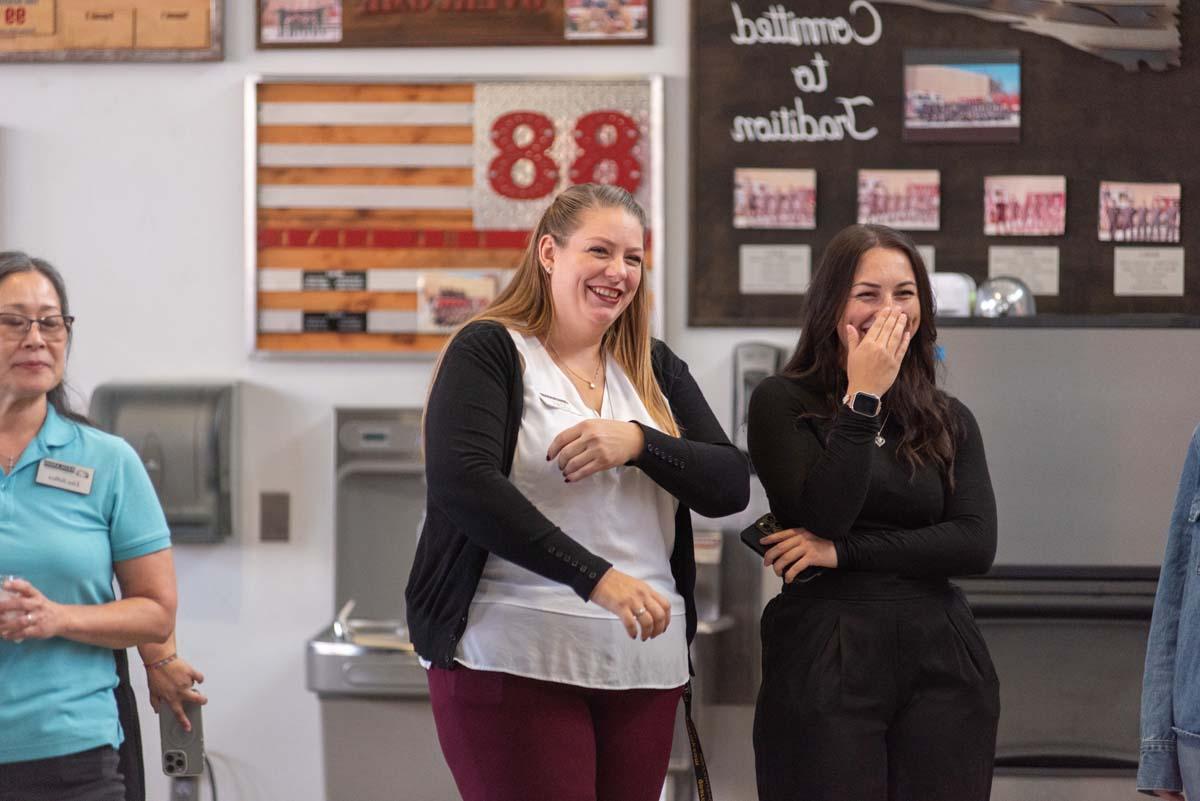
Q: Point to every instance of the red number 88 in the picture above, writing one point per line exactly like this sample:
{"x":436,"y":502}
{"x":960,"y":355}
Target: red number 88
{"x":592,"y":152}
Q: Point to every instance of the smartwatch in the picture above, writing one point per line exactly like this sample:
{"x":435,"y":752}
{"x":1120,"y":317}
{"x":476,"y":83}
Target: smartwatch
{"x":863,"y":403}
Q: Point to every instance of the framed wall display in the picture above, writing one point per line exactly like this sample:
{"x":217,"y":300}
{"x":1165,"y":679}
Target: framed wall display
{"x":445,"y":23}
{"x":382,"y":213}
{"x":1056,"y":145}
{"x":111,"y":30}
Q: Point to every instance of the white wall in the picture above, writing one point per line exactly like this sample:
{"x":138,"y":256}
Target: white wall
{"x":129,"y":178}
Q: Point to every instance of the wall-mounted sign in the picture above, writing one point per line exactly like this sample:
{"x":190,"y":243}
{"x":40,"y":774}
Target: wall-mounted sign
{"x":384,"y":214}
{"x":960,"y":130}
{"x":444,"y":23}
{"x":114,"y":30}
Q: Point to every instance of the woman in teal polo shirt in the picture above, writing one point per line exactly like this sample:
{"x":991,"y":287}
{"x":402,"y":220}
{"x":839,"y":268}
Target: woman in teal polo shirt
{"x":76,"y":509}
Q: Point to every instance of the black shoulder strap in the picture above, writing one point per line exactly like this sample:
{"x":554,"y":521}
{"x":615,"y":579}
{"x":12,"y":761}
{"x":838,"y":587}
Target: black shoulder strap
{"x":130,"y":755}
{"x":703,"y":786}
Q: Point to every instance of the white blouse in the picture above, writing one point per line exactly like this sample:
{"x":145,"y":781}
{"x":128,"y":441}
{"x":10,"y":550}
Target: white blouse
{"x":525,"y":624}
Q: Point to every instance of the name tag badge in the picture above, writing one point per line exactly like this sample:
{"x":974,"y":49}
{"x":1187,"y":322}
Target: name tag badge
{"x":70,"y":477}
{"x":555,"y":403}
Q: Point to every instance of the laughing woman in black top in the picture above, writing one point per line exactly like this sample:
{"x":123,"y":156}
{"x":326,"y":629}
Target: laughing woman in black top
{"x":876,"y":683}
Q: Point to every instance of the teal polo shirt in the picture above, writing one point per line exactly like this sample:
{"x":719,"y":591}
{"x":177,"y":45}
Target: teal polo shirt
{"x":56,"y":695}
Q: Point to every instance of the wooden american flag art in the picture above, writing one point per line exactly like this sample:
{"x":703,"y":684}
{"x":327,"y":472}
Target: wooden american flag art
{"x":381,"y":214}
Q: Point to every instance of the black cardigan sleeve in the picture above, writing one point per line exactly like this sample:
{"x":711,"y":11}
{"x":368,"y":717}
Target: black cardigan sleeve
{"x":810,"y":484}
{"x":962,"y":543}
{"x":469,"y":432}
{"x":701,"y":468}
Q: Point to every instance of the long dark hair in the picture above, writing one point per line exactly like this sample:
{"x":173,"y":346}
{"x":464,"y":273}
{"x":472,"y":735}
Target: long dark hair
{"x":930,"y":431}
{"x":14,"y":261}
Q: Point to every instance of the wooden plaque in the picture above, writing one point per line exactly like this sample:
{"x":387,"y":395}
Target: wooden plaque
{"x":383,"y":214}
{"x":444,"y":23}
{"x":111,"y":30}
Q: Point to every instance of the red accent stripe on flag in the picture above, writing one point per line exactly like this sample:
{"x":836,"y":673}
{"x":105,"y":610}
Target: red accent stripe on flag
{"x":388,"y":238}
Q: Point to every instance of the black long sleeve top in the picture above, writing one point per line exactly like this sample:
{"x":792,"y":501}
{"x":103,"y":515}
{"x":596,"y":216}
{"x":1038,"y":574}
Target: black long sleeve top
{"x":829,"y":476}
{"x":471,"y":427}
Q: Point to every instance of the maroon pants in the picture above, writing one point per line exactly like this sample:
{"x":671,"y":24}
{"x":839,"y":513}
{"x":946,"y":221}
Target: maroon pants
{"x":509,"y":738}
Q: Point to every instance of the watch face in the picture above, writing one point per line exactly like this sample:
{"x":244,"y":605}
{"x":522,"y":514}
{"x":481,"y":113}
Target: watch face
{"x":865,"y":404}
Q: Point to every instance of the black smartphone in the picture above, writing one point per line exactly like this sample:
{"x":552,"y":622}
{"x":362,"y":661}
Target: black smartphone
{"x":767,"y":524}
{"x":182,"y":751}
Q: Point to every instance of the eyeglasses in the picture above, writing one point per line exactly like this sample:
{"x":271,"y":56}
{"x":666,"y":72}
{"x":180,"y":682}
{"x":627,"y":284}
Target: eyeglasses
{"x":53,"y":328}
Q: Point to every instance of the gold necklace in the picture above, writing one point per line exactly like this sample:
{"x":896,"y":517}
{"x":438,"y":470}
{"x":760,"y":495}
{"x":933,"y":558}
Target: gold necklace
{"x":595,"y":376}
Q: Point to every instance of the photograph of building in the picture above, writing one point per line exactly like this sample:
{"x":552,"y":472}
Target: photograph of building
{"x":962,"y":96}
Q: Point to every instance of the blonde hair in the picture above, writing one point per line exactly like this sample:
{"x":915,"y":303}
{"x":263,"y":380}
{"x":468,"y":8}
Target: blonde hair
{"x":526,"y":305}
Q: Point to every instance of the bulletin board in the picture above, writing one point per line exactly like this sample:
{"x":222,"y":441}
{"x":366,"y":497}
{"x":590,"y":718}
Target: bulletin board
{"x":445,"y":23}
{"x":381,"y":214}
{"x":111,"y":30}
{"x":818,"y":89}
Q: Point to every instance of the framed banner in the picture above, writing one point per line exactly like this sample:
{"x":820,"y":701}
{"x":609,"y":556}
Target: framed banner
{"x":111,"y":30}
{"x":1041,"y":141}
{"x":381,"y":214}
{"x":453,"y":23}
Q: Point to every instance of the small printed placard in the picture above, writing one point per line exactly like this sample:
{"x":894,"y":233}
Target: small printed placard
{"x":336,"y":280}
{"x":341,"y":322}
{"x":1036,"y":266}
{"x":71,"y":477}
{"x":1148,"y":272}
{"x":774,"y":269}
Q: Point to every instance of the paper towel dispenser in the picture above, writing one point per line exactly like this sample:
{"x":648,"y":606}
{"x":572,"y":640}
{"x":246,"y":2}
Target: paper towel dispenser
{"x":185,"y":436}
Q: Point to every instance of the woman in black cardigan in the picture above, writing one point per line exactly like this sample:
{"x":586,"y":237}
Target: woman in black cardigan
{"x":530,"y":626}
{"x":877,"y":685}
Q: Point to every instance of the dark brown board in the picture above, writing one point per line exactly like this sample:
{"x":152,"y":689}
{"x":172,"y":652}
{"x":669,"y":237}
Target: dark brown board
{"x":1082,"y":117}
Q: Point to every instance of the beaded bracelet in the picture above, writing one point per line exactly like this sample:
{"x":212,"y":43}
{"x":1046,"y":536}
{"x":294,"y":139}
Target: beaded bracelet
{"x":166,"y":660}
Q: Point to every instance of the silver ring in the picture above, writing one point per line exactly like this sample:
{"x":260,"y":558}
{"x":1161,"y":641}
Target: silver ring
{"x":29,"y":618}
{"x":640,"y":612}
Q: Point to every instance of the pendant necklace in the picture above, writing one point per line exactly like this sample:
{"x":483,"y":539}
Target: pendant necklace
{"x":595,"y":376}
{"x":879,"y":440}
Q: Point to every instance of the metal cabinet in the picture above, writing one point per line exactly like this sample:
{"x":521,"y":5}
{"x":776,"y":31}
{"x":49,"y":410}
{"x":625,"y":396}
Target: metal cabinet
{"x":379,"y":740}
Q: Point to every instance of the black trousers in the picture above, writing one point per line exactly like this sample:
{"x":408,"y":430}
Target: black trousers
{"x":86,"y":776}
{"x":874,"y":700}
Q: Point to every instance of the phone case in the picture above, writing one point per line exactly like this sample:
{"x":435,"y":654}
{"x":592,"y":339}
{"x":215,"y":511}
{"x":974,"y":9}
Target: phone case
{"x":182,"y":751}
{"x":767,"y":524}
